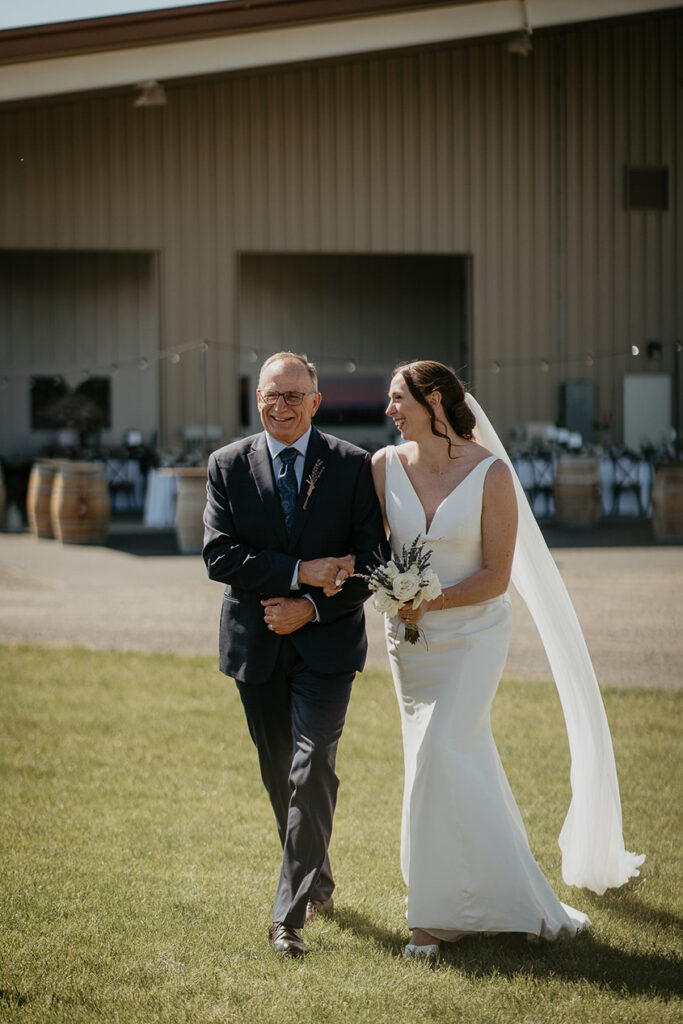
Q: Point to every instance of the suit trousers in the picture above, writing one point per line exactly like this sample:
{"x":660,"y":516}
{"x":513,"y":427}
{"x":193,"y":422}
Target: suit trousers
{"x":295,"y":719}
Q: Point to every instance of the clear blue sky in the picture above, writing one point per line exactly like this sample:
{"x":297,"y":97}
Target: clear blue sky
{"x":16,"y":13}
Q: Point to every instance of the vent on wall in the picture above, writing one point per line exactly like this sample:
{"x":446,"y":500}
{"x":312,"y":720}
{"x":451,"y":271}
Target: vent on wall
{"x":647,"y":188}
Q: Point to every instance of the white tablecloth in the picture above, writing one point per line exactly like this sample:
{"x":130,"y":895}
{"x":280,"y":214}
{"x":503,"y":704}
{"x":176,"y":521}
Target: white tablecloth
{"x":160,"y":499}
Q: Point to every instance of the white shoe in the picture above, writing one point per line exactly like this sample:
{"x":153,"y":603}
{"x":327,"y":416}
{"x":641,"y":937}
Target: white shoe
{"x":412,"y":952}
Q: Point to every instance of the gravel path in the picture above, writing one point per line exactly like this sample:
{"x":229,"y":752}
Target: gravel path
{"x":629,"y":601}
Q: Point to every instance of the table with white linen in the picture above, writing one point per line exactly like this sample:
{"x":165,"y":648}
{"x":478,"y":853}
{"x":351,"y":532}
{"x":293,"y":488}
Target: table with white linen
{"x":160,"y":499}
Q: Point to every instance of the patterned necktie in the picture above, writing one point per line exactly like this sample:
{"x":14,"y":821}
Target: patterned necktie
{"x":287,"y":484}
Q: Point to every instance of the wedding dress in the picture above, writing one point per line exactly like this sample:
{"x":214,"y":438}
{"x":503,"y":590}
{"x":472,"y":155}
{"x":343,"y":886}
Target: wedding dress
{"x":465,"y":856}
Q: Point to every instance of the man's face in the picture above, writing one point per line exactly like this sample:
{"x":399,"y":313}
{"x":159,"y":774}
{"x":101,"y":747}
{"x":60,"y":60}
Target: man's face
{"x":286,"y":423}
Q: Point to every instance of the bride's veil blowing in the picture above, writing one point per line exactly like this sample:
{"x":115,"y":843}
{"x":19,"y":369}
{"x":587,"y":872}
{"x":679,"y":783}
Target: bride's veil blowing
{"x":593,"y":853}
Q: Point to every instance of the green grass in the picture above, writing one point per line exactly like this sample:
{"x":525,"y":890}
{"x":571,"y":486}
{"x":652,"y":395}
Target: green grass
{"x":139,"y":860}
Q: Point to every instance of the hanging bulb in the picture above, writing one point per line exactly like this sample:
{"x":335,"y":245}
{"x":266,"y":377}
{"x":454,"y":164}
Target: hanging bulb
{"x":544,"y":365}
{"x":175,"y":358}
{"x":495,"y":366}
{"x":635,"y":351}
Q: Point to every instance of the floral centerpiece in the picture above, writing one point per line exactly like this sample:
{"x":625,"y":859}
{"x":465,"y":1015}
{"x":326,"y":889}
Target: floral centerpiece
{"x":404,"y":578}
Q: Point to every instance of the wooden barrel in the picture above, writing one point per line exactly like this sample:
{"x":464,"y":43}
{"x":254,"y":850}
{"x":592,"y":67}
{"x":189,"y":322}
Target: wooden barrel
{"x":577,"y":490}
{"x":667,"y":504}
{"x":39,"y":495}
{"x":80,"y":503}
{"x":190,"y":503}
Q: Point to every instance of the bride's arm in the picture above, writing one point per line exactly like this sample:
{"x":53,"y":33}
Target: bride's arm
{"x":498,"y":532}
{"x":379,"y":462}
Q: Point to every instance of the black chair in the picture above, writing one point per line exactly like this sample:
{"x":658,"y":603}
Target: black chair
{"x":626,"y":466}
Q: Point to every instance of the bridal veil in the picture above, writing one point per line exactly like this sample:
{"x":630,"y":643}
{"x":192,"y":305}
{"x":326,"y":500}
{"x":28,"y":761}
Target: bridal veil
{"x":593,"y":853}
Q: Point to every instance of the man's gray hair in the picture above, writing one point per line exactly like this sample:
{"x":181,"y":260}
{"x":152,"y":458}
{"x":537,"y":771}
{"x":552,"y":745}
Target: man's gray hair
{"x":293,"y":357}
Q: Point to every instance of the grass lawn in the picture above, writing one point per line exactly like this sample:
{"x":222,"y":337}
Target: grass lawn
{"x":139,"y":860}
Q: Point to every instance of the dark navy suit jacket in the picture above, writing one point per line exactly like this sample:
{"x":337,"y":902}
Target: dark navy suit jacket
{"x":246,"y":546}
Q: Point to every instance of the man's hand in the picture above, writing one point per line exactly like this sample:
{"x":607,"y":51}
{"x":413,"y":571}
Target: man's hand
{"x":285,"y":615}
{"x":328,"y":573}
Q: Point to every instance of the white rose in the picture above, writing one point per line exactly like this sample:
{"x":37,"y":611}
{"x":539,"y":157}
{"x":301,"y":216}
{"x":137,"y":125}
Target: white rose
{"x":406,"y":585}
{"x":391,"y":569}
{"x":385,"y":603}
{"x":431,"y":587}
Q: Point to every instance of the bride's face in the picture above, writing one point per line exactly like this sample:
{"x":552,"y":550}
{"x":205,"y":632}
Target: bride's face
{"x":410,"y":417}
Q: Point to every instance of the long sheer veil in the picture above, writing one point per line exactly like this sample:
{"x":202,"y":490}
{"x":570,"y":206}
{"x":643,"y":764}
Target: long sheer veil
{"x":591,"y":840}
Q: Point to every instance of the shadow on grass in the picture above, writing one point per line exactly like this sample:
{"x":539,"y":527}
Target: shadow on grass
{"x":365,"y":928}
{"x":627,"y":905}
{"x":510,"y":956}
{"x":580,"y":959}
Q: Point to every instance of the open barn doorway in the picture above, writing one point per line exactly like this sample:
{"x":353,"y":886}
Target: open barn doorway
{"x":355,"y":316}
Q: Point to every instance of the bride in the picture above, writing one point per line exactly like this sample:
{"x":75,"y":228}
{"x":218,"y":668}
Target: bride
{"x":465,"y":856}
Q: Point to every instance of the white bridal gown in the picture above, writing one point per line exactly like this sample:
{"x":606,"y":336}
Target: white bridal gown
{"x":464,"y":851}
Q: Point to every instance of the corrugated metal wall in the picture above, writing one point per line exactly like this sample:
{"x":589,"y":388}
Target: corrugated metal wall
{"x":516,"y":162}
{"x":74,"y":314}
{"x":367,"y":310}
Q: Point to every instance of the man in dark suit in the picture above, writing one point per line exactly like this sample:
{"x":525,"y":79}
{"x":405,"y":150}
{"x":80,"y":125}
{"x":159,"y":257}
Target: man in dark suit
{"x":289,"y":514}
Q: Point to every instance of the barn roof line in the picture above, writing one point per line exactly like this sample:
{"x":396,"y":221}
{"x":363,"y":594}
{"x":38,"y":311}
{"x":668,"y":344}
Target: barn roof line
{"x":113,"y":52}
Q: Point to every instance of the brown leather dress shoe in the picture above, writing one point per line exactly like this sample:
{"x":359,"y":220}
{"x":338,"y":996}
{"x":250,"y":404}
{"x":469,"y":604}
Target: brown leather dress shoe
{"x":286,"y":940}
{"x":319,"y":908}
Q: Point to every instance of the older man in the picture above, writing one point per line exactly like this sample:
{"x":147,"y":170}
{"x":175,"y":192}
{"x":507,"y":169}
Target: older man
{"x":289,"y":513}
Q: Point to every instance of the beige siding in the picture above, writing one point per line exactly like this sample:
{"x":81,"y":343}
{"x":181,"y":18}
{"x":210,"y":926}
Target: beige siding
{"x":514,"y":162}
{"x":70,"y":313}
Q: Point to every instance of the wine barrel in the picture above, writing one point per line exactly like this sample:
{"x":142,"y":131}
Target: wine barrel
{"x":577,"y":490}
{"x":80,"y":503}
{"x":190,"y":503}
{"x":667,"y":504}
{"x":39,"y":495}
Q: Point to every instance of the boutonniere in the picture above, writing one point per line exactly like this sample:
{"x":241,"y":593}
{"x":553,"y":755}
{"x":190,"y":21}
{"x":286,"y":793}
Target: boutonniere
{"x":313,"y":478}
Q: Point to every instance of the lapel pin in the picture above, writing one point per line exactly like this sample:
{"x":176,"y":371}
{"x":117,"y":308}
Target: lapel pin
{"x":312,"y":480}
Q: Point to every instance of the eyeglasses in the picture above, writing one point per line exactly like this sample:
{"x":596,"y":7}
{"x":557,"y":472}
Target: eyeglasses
{"x":290,"y":397}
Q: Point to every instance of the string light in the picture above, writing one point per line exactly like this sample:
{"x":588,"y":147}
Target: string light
{"x":635,"y":351}
{"x":589,"y":359}
{"x":544,"y":366}
{"x":495,"y":366}
{"x":351,"y":366}
{"x":174,"y":358}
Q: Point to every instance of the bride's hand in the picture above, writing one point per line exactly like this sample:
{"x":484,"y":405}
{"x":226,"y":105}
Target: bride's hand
{"x":409,"y":614}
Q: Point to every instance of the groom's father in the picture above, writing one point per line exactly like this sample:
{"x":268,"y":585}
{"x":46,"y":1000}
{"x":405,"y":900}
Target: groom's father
{"x":289,"y":512}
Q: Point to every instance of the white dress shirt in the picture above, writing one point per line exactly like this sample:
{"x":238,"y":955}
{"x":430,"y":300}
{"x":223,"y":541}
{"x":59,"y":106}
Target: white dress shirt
{"x":301,"y":445}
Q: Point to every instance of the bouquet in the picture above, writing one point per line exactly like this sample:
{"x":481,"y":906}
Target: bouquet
{"x":405,"y":577}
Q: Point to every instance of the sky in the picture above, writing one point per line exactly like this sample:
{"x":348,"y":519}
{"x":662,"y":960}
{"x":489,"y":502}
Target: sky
{"x":18,"y":13}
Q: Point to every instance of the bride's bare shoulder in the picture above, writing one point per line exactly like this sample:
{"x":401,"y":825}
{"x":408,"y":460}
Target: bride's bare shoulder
{"x":481,"y":452}
{"x":379,"y":460}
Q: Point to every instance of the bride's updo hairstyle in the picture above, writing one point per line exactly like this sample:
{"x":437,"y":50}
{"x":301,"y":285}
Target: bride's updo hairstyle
{"x":426,"y":375}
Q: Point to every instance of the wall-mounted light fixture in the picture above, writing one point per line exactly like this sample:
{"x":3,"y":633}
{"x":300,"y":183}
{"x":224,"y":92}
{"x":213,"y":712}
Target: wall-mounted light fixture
{"x":152,"y":94}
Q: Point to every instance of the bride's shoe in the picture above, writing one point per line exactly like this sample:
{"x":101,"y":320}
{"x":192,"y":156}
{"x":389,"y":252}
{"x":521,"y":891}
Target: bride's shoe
{"x":430,"y":953}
